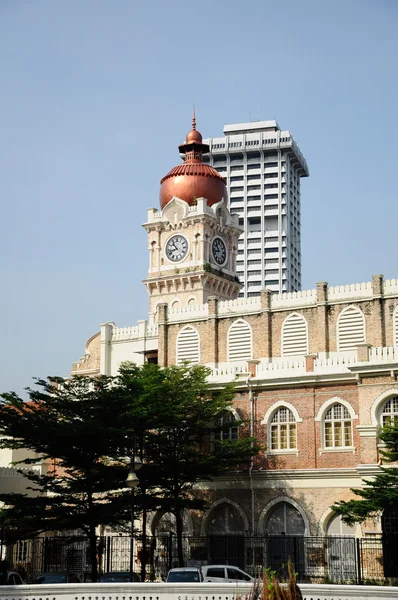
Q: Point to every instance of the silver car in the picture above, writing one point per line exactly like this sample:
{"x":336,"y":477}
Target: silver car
{"x":224,"y":574}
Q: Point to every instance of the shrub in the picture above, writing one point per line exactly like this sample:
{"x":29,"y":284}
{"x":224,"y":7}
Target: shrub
{"x":273,"y":589}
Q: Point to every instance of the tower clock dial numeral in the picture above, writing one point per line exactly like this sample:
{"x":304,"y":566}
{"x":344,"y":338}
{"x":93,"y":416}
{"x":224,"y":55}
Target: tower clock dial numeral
{"x":219,"y":251}
{"x":176,"y":248}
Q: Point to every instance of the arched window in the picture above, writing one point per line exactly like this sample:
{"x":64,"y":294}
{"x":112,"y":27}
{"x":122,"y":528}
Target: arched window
{"x":350,"y":328}
{"x":294,"y":336}
{"x":225,"y":421}
{"x":284,"y":519}
{"x":225,"y":519}
{"x":240,"y":346}
{"x":283,"y":430}
{"x":192,"y":304}
{"x":389,"y":413}
{"x":167,"y":523}
{"x":337,"y":427}
{"x":336,"y":526}
{"x":175,"y":305}
{"x":188,"y":345}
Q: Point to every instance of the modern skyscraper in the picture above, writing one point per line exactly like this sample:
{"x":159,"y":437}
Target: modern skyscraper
{"x":263,"y":166}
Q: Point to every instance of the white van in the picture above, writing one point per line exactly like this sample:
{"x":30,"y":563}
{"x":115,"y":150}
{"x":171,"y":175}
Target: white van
{"x":224,"y":574}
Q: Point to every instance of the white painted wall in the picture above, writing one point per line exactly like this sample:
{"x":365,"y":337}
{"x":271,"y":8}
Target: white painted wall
{"x":126,"y":351}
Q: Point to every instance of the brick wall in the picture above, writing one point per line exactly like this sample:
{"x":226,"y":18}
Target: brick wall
{"x":267,"y":329}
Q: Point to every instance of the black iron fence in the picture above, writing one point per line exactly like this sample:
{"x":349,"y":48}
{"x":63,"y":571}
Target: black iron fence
{"x":315,"y":559}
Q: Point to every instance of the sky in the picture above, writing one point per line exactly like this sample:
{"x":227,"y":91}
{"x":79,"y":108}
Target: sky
{"x":97,"y":95}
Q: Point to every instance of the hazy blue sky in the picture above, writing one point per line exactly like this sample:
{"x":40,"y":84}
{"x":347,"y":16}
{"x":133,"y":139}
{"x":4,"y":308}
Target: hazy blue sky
{"x":97,"y":94}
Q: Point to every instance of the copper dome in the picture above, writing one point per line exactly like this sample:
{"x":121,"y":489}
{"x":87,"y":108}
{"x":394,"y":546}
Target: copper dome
{"x":193,"y":179}
{"x":193,"y":136}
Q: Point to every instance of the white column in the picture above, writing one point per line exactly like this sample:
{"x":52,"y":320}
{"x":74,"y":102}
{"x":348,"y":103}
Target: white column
{"x":105,"y":348}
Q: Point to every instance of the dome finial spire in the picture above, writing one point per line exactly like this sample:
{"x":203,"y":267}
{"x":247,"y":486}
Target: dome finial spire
{"x":193,"y":178}
{"x":193,"y":118}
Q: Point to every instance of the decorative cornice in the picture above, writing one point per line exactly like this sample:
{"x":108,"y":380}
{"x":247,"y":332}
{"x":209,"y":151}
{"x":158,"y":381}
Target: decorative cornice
{"x":368,"y":368}
{"x":285,"y":474}
{"x":367,"y":431}
{"x":286,"y":479}
{"x":368,"y":470}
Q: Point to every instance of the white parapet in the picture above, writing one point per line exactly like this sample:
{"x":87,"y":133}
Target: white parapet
{"x":240,"y":305}
{"x":335,"y":364}
{"x":228,"y":371}
{"x":390,"y":287}
{"x":351,"y":291}
{"x":280,"y":367}
{"x":193,"y":591}
{"x":124,"y":333}
{"x":135,"y":332}
{"x":381,"y":355}
{"x":293,"y":299}
{"x":185,"y":313}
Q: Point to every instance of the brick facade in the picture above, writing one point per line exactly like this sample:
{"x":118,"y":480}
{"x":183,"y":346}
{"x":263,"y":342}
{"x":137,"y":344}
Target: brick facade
{"x":361,"y":379}
{"x":311,"y":476}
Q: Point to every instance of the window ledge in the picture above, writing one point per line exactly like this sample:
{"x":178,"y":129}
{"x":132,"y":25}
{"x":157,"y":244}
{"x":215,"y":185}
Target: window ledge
{"x":339,"y":449}
{"x":290,"y":451}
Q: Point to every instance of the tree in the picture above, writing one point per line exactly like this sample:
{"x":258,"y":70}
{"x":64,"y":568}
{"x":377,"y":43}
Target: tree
{"x":80,"y":427}
{"x":379,"y":493}
{"x":182,"y":445}
{"x":86,"y":429}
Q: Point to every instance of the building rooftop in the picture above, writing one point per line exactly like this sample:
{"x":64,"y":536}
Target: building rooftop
{"x":252,"y":127}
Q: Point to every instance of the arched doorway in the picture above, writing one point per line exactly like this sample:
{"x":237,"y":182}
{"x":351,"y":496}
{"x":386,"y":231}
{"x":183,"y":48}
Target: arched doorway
{"x":284,"y":529}
{"x":341,"y":554}
{"x":284,"y":519}
{"x":164,"y":542}
{"x":389,"y":527}
{"x":166,"y":524}
{"x":226,"y":536}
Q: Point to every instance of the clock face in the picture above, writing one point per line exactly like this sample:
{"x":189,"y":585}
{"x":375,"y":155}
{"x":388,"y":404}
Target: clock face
{"x":219,"y":251}
{"x":176,"y":248}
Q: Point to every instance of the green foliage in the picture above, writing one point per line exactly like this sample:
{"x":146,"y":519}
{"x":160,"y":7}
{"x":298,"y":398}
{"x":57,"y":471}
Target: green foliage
{"x":80,"y":427}
{"x":85,"y":428}
{"x":379,"y":493}
{"x":207,"y":267}
{"x":179,"y":446}
{"x":273,"y":589}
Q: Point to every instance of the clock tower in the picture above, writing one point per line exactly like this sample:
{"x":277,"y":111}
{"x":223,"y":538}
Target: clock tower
{"x":193,"y":239}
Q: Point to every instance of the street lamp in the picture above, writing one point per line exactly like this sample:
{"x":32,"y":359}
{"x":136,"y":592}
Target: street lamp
{"x":132,"y":482}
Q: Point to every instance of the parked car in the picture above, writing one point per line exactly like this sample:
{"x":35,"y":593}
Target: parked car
{"x":224,"y":574}
{"x":11,"y":578}
{"x":56,"y":578}
{"x":118,"y":577}
{"x":185,"y":575}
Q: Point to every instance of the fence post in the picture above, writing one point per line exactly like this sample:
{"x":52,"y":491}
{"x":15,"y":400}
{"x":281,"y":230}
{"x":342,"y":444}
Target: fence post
{"x":108,"y":553}
{"x":296,"y":566}
{"x":359,"y":561}
{"x":170,"y":544}
{"x":45,"y":554}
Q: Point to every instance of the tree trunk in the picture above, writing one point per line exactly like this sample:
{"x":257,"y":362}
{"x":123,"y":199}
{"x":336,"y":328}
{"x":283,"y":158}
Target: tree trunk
{"x":179,"y":531}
